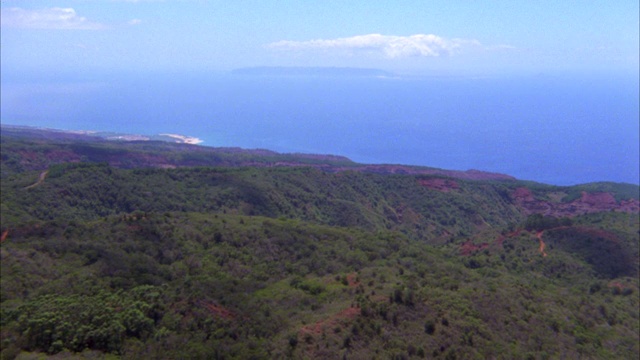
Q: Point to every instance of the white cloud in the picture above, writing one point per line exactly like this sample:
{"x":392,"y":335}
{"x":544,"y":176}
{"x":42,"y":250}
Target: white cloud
{"x":419,"y":45}
{"x":50,"y":18}
{"x":134,"y":22}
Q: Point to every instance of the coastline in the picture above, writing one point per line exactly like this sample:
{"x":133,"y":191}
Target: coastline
{"x":184,"y":139}
{"x":111,"y":136}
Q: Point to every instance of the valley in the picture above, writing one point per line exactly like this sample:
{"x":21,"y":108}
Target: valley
{"x":163,"y":250}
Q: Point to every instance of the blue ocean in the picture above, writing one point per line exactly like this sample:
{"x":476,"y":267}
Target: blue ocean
{"x":559,"y":130}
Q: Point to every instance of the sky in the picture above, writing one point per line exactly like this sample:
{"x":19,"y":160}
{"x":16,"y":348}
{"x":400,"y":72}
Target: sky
{"x":426,"y":37}
{"x":63,"y":62}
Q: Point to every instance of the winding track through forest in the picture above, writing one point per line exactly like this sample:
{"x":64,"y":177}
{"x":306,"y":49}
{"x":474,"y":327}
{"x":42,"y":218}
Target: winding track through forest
{"x":41,"y":178}
{"x":43,"y":175}
{"x":542,"y":244}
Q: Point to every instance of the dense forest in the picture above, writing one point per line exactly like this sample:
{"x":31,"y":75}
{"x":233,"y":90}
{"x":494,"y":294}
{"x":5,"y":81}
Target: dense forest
{"x":157,"y":250}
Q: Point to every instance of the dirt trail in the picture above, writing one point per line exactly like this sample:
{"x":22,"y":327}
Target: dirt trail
{"x":41,"y":178}
{"x":542,"y":244}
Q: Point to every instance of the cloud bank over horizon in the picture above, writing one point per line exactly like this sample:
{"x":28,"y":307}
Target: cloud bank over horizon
{"x":55,"y":18}
{"x":48,"y":19}
{"x":389,"y":46}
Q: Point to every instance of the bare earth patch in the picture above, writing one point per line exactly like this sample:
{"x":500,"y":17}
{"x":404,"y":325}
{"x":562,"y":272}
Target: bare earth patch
{"x":469,"y":248}
{"x":586,"y":204}
{"x":219,"y":311}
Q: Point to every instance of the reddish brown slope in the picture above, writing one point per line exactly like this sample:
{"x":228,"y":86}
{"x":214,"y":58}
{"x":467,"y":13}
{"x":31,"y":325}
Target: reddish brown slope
{"x":587,"y":203}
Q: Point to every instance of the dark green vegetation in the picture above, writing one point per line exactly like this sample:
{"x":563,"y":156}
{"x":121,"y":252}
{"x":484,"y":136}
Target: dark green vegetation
{"x":311,"y":261}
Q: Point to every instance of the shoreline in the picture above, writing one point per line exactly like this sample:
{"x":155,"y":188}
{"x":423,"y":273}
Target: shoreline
{"x":112,"y":135}
{"x":184,"y":139}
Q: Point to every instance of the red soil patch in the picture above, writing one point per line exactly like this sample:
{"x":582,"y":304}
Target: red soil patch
{"x":440,"y":184}
{"x":63,"y":156}
{"x":522,"y":194}
{"x":629,"y":206}
{"x":469,"y":247}
{"x":524,"y":198}
{"x":339,"y":319}
{"x":587,"y":203}
{"x":351,"y":280}
{"x":220,"y":311}
{"x":598,"y":199}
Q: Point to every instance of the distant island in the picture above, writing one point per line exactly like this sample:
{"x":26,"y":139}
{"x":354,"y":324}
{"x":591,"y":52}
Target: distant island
{"x":311,"y":71}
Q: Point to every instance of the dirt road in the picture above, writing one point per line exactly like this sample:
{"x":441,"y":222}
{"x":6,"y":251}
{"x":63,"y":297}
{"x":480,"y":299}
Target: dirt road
{"x":41,"y":178}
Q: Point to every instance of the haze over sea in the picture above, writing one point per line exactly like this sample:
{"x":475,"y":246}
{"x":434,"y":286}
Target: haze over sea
{"x":560,"y":130}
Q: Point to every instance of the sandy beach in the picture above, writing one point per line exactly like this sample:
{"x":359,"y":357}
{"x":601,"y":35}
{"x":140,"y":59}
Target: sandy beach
{"x":184,"y":139}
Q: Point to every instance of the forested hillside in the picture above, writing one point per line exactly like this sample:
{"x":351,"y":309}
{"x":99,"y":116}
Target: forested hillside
{"x":266,"y":255}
